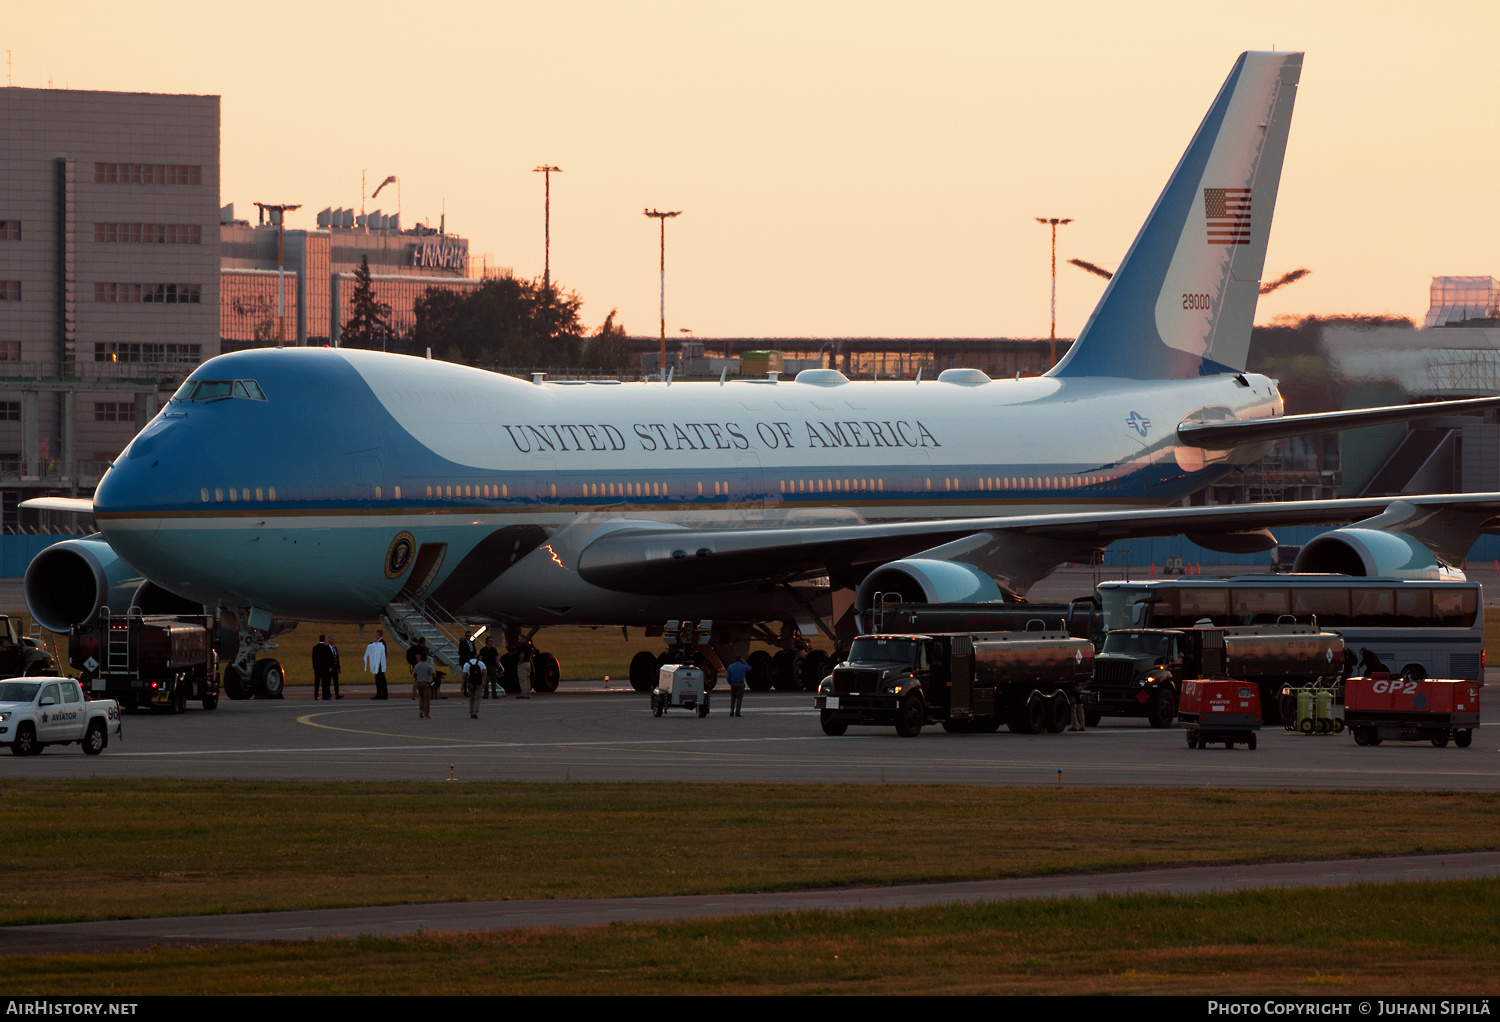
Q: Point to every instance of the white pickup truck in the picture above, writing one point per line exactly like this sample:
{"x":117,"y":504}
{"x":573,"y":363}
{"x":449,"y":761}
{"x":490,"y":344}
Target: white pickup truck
{"x":37,"y":712}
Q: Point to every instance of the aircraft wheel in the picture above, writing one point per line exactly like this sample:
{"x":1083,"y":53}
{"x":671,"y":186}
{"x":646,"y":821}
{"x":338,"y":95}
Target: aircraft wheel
{"x":814,"y":669}
{"x":546,"y":672}
{"x":759,"y":679}
{"x":642,"y":671}
{"x":236,"y":682}
{"x":512,"y":687}
{"x":783,"y":671}
{"x":268,"y":680}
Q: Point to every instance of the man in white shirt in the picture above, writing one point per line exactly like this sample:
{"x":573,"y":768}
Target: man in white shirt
{"x":375,"y":664}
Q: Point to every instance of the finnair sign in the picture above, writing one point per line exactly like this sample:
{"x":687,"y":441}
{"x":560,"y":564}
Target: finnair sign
{"x":444,"y":254}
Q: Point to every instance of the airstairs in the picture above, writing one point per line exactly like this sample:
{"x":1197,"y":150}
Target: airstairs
{"x":408,"y":621}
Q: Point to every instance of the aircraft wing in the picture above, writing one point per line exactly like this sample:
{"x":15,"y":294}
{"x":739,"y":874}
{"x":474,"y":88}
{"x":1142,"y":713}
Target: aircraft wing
{"x":652,"y":562}
{"x":78,"y":505}
{"x":1225,"y":435}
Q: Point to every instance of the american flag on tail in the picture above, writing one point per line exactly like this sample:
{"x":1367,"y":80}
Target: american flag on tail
{"x":1228,"y":213}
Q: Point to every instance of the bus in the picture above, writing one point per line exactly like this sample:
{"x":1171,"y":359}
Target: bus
{"x":1424,"y":628}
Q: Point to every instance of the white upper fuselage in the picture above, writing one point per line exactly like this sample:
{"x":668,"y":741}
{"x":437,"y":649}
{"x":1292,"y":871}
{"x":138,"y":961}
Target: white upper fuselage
{"x":293,"y":501}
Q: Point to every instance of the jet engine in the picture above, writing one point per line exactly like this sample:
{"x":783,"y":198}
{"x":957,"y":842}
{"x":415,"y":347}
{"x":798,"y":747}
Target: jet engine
{"x":1370,"y":553}
{"x":923,"y":580}
{"x":68,"y":583}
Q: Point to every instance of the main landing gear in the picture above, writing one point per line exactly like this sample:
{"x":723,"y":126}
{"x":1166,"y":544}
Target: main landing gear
{"x":546,"y":670}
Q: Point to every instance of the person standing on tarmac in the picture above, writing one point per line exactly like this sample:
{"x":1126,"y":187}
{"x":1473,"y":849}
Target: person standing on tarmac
{"x":333,"y":669}
{"x":737,"y":672}
{"x":320,"y":664}
{"x":375,"y":661}
{"x":474,"y":675}
{"x":490,"y":657}
{"x":523,"y":676}
{"x":421,"y":676}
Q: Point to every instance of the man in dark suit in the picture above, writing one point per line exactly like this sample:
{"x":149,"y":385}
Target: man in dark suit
{"x":333,"y":669}
{"x":321,"y":662}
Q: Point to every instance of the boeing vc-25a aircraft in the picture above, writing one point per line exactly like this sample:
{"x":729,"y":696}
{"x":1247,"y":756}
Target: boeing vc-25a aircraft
{"x":334,"y":484}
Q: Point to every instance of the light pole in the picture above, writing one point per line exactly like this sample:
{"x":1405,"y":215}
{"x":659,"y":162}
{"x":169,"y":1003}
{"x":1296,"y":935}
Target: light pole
{"x":278,"y":219}
{"x":547,"y":171}
{"x":1054,"y":221}
{"x":663,"y":217}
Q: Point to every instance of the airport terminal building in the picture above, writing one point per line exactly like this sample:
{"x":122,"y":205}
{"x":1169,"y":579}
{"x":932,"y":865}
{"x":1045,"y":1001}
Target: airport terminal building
{"x":120,"y":273}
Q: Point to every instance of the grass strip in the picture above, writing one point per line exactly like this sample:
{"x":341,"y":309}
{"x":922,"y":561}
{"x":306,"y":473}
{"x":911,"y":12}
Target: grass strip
{"x":164,"y":847}
{"x":1414,"y":938}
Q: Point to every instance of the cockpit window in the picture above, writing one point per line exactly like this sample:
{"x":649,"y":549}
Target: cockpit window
{"x":214,"y":390}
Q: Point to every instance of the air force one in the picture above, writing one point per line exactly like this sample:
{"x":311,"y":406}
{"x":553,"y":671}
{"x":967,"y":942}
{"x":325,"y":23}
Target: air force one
{"x":335,"y":484}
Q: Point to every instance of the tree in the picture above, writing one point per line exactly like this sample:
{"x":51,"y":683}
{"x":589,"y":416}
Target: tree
{"x":369,"y":324}
{"x":608,"y":349}
{"x":507,"y":321}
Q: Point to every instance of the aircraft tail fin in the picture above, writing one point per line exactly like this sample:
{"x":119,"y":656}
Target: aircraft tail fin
{"x":1182,"y":303}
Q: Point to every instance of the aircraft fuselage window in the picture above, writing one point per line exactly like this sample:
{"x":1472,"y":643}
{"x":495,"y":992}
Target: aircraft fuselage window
{"x":214,"y":390}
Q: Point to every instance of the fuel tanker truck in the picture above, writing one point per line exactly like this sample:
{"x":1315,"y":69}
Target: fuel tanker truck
{"x":966,"y":682}
{"x":1139,"y":672}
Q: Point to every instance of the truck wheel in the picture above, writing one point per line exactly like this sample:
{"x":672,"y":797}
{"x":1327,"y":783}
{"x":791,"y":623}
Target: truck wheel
{"x":1163,"y":707}
{"x":643,"y":671}
{"x":832,"y":728}
{"x":1059,"y":714}
{"x":1192,"y":739}
{"x":1091,"y":718}
{"x":1361,"y":736}
{"x":1440,"y":742}
{"x":268,"y":680}
{"x":1228,"y":744}
{"x":211,"y":700}
{"x":910,"y":717}
{"x":1250,"y":742}
{"x":26,"y":743}
{"x":96,"y":738}
{"x":1463,"y":738}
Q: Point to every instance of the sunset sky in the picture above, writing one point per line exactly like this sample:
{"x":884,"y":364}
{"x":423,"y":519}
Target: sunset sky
{"x":844,"y":169}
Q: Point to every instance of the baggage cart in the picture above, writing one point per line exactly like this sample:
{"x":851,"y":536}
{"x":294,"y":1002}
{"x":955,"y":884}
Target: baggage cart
{"x":1220,"y":710}
{"x":1408,"y":709}
{"x":679,"y":686}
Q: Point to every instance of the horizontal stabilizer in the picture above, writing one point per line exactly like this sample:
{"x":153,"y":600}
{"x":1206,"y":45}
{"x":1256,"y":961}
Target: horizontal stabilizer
{"x":77,"y":505}
{"x":1221,"y":436}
